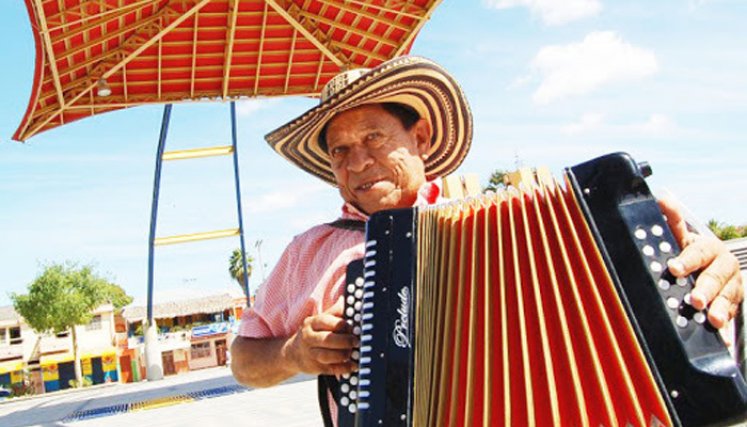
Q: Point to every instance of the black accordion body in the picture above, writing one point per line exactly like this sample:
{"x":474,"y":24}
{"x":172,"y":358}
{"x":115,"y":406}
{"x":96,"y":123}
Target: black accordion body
{"x":543,"y":305}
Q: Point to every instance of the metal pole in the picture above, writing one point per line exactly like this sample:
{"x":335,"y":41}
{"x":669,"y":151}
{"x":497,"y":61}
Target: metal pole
{"x":154,"y":205}
{"x":154,"y":364}
{"x":238,"y":201}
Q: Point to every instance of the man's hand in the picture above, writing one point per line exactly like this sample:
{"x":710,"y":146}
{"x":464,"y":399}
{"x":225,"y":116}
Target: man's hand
{"x":719,"y":284}
{"x":324,"y":344}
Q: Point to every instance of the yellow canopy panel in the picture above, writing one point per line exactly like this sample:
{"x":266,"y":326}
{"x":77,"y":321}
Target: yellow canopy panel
{"x":12,"y":366}
{"x":58,"y":358}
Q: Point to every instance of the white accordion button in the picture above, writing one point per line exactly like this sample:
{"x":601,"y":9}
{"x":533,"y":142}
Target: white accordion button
{"x":687,"y":299}
{"x":681,"y":321}
{"x":345,"y":401}
{"x":664,"y":284}
{"x":359,"y":281}
{"x":656,"y":267}
{"x":640,"y":234}
{"x":345,"y":388}
{"x":648,"y":250}
{"x":657,"y":230}
{"x":672,"y":302}
{"x":699,"y":317}
{"x":665,"y":247}
{"x":682,"y":281}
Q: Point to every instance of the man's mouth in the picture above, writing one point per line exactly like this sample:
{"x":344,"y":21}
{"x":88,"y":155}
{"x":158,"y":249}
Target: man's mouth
{"x":367,"y":186}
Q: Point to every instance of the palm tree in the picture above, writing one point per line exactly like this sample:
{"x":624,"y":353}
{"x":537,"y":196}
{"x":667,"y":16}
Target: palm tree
{"x":497,"y":180}
{"x":236,"y":269}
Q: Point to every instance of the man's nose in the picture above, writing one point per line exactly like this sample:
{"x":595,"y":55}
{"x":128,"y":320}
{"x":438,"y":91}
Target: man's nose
{"x":359,"y":159}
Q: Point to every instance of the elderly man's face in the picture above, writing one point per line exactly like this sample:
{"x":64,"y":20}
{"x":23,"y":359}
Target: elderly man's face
{"x":378,"y":164}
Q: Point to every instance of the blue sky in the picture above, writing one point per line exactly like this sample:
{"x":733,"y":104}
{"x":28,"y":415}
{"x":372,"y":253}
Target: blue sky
{"x":550,"y":83}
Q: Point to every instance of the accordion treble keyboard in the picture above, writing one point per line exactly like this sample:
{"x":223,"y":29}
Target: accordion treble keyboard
{"x":543,"y":306}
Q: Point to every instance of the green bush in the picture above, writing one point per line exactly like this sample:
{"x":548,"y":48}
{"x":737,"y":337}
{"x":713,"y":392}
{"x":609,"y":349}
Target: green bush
{"x":86,"y":382}
{"x":21,"y":389}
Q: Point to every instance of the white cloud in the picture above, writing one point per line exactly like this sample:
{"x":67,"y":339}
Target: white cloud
{"x":578,"y":68}
{"x":289,"y":197}
{"x":656,"y":125}
{"x":588,"y":122}
{"x":553,"y":12}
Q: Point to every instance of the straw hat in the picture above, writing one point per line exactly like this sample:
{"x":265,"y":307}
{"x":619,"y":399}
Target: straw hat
{"x":414,"y":81}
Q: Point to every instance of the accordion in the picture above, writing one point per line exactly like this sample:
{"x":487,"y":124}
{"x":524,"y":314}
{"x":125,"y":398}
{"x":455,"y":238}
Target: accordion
{"x":542,"y":305}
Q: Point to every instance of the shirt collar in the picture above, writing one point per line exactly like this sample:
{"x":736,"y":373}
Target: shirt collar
{"x":428,"y":194}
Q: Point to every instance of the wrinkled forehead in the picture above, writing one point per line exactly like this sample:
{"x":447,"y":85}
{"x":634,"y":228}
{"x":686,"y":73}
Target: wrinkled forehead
{"x":359,"y":119}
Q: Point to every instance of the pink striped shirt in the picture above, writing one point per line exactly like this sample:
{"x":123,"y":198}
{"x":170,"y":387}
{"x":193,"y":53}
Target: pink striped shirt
{"x":308,"y":278}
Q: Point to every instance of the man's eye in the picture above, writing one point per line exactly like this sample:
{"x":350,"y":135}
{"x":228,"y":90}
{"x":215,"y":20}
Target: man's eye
{"x":337,"y":151}
{"x":373,"y":136}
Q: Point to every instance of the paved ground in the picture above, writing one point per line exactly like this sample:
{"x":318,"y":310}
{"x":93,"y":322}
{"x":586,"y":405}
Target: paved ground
{"x":181,"y":400}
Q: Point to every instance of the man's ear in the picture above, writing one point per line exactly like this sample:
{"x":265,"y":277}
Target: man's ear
{"x":423,"y":135}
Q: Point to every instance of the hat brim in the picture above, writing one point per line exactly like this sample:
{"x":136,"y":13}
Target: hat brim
{"x":414,"y":81}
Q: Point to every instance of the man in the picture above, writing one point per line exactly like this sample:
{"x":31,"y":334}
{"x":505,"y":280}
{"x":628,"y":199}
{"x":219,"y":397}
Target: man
{"x":383,"y":137}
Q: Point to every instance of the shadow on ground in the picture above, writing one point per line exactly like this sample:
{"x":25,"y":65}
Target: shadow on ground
{"x":49,"y":414}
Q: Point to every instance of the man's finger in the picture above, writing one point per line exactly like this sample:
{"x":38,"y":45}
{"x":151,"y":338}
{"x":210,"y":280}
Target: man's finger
{"x":328,"y":356}
{"x":328,"y":322}
{"x":332,"y":340}
{"x":341,"y":368}
{"x":675,"y":220}
{"x":700,"y":253}
{"x":711,"y":281}
{"x":724,"y":306}
{"x":337,"y":308}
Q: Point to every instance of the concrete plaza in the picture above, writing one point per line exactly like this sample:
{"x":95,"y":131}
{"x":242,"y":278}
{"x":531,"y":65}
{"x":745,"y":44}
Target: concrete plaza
{"x":182,"y":400}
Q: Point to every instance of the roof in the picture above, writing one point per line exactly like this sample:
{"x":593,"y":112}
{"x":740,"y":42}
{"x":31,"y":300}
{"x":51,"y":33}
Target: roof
{"x":166,"y":51}
{"x":739,"y":248}
{"x":186,"y":307}
{"x":9,"y":314}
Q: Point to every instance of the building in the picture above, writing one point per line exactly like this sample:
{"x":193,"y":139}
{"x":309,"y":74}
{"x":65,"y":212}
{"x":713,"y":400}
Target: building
{"x":47,"y":359}
{"x":193,"y":333}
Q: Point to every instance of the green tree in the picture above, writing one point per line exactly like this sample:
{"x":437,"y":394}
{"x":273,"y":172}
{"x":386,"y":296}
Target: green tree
{"x":496,"y":180}
{"x":236,"y":268}
{"x":727,"y":231}
{"x":63,"y":296}
{"x":116,"y":296}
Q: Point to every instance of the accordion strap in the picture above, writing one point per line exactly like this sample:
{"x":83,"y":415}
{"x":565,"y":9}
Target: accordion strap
{"x":349,"y":224}
{"x":326,"y":384}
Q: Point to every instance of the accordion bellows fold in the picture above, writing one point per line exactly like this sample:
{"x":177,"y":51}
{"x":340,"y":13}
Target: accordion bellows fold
{"x":518,"y":320}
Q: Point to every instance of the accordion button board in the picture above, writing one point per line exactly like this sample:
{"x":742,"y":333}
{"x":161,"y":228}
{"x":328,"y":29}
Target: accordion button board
{"x":348,"y":384}
{"x":701,"y":380}
{"x":674,"y":368}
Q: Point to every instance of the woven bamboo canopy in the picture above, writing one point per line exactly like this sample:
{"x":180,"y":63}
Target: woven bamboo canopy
{"x":203,"y":305}
{"x":94,"y":56}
